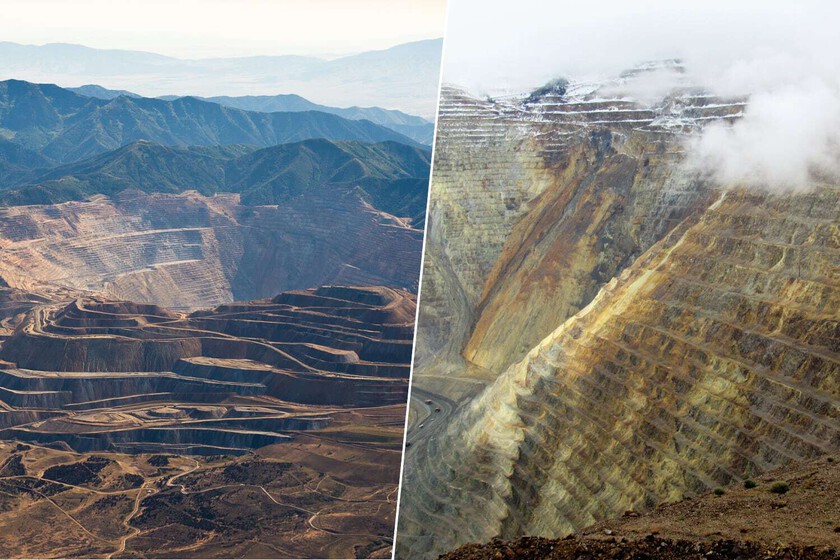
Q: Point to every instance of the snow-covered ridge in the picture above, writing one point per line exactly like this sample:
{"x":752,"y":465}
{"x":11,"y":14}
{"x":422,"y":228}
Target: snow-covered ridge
{"x":657,"y":95}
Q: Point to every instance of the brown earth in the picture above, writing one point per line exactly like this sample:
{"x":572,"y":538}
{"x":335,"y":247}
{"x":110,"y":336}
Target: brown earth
{"x":269,"y":428}
{"x":192,"y":251}
{"x":741,"y":523}
{"x":325,"y":494}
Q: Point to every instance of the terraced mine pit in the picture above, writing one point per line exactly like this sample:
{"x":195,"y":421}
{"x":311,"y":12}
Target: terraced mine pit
{"x":603,"y":329}
{"x":329,"y":493}
{"x":188,"y":251}
{"x":229,"y":396}
{"x":158,"y":398}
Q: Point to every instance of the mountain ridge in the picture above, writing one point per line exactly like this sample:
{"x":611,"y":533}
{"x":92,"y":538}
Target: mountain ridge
{"x":66,"y":127}
{"x":403,"y":77}
{"x":391,"y":176}
{"x":416,"y":128}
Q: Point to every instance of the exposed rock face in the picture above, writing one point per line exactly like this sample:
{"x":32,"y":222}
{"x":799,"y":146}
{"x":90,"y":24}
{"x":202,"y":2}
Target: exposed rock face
{"x":481,"y":181}
{"x":650,"y":336}
{"x":606,"y":208}
{"x":101,"y":375}
{"x":747,"y":522}
{"x":188,"y":251}
{"x":535,"y":205}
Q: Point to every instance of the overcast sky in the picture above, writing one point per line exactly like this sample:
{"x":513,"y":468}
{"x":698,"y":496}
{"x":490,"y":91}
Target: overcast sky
{"x":495,"y":45}
{"x":210,"y":28}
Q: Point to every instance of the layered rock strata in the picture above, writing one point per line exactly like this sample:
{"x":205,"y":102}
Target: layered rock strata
{"x":189,"y":251}
{"x":536,"y":203}
{"x":647,"y":335}
{"x":98,"y":375}
{"x":714,"y":357}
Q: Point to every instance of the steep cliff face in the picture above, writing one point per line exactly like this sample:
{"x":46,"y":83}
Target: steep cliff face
{"x":651,"y":335}
{"x":714,"y":357}
{"x":619,"y":194}
{"x":192,"y":251}
{"x":536,"y":203}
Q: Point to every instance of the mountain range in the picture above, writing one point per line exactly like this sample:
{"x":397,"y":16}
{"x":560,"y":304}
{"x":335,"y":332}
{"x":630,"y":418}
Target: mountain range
{"x":65,"y":126}
{"x":391,"y":176}
{"x":418,"y":129}
{"x":403,"y":77}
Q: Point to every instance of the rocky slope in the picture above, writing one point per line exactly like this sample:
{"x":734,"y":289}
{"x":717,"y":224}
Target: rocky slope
{"x":646,"y":335}
{"x":536,"y":203}
{"x":736,"y":522}
{"x":190,"y":251}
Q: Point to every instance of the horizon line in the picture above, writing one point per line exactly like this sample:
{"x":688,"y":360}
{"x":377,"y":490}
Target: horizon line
{"x":233,"y":57}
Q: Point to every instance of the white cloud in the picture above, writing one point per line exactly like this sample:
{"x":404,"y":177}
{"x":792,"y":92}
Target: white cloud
{"x":493,"y":44}
{"x":782,"y":54}
{"x":786,"y":135}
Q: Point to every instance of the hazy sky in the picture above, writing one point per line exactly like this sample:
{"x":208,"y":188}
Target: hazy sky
{"x":501,"y":44}
{"x":209,"y":28}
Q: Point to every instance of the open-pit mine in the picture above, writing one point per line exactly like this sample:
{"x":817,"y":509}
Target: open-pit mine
{"x":602,"y":328}
{"x":270,"y":427}
{"x":204,"y":348}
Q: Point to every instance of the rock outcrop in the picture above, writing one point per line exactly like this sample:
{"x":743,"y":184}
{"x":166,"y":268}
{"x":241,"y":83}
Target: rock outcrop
{"x":744,"y":521}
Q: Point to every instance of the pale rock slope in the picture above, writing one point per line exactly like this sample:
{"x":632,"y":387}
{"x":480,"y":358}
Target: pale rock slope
{"x":190,"y":251}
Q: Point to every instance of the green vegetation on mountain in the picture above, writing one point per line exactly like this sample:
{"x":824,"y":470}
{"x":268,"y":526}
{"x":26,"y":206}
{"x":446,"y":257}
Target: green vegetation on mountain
{"x":416,"y":128}
{"x":17,"y":163}
{"x":67,"y":127}
{"x":140,"y":165}
{"x":390,"y":176}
